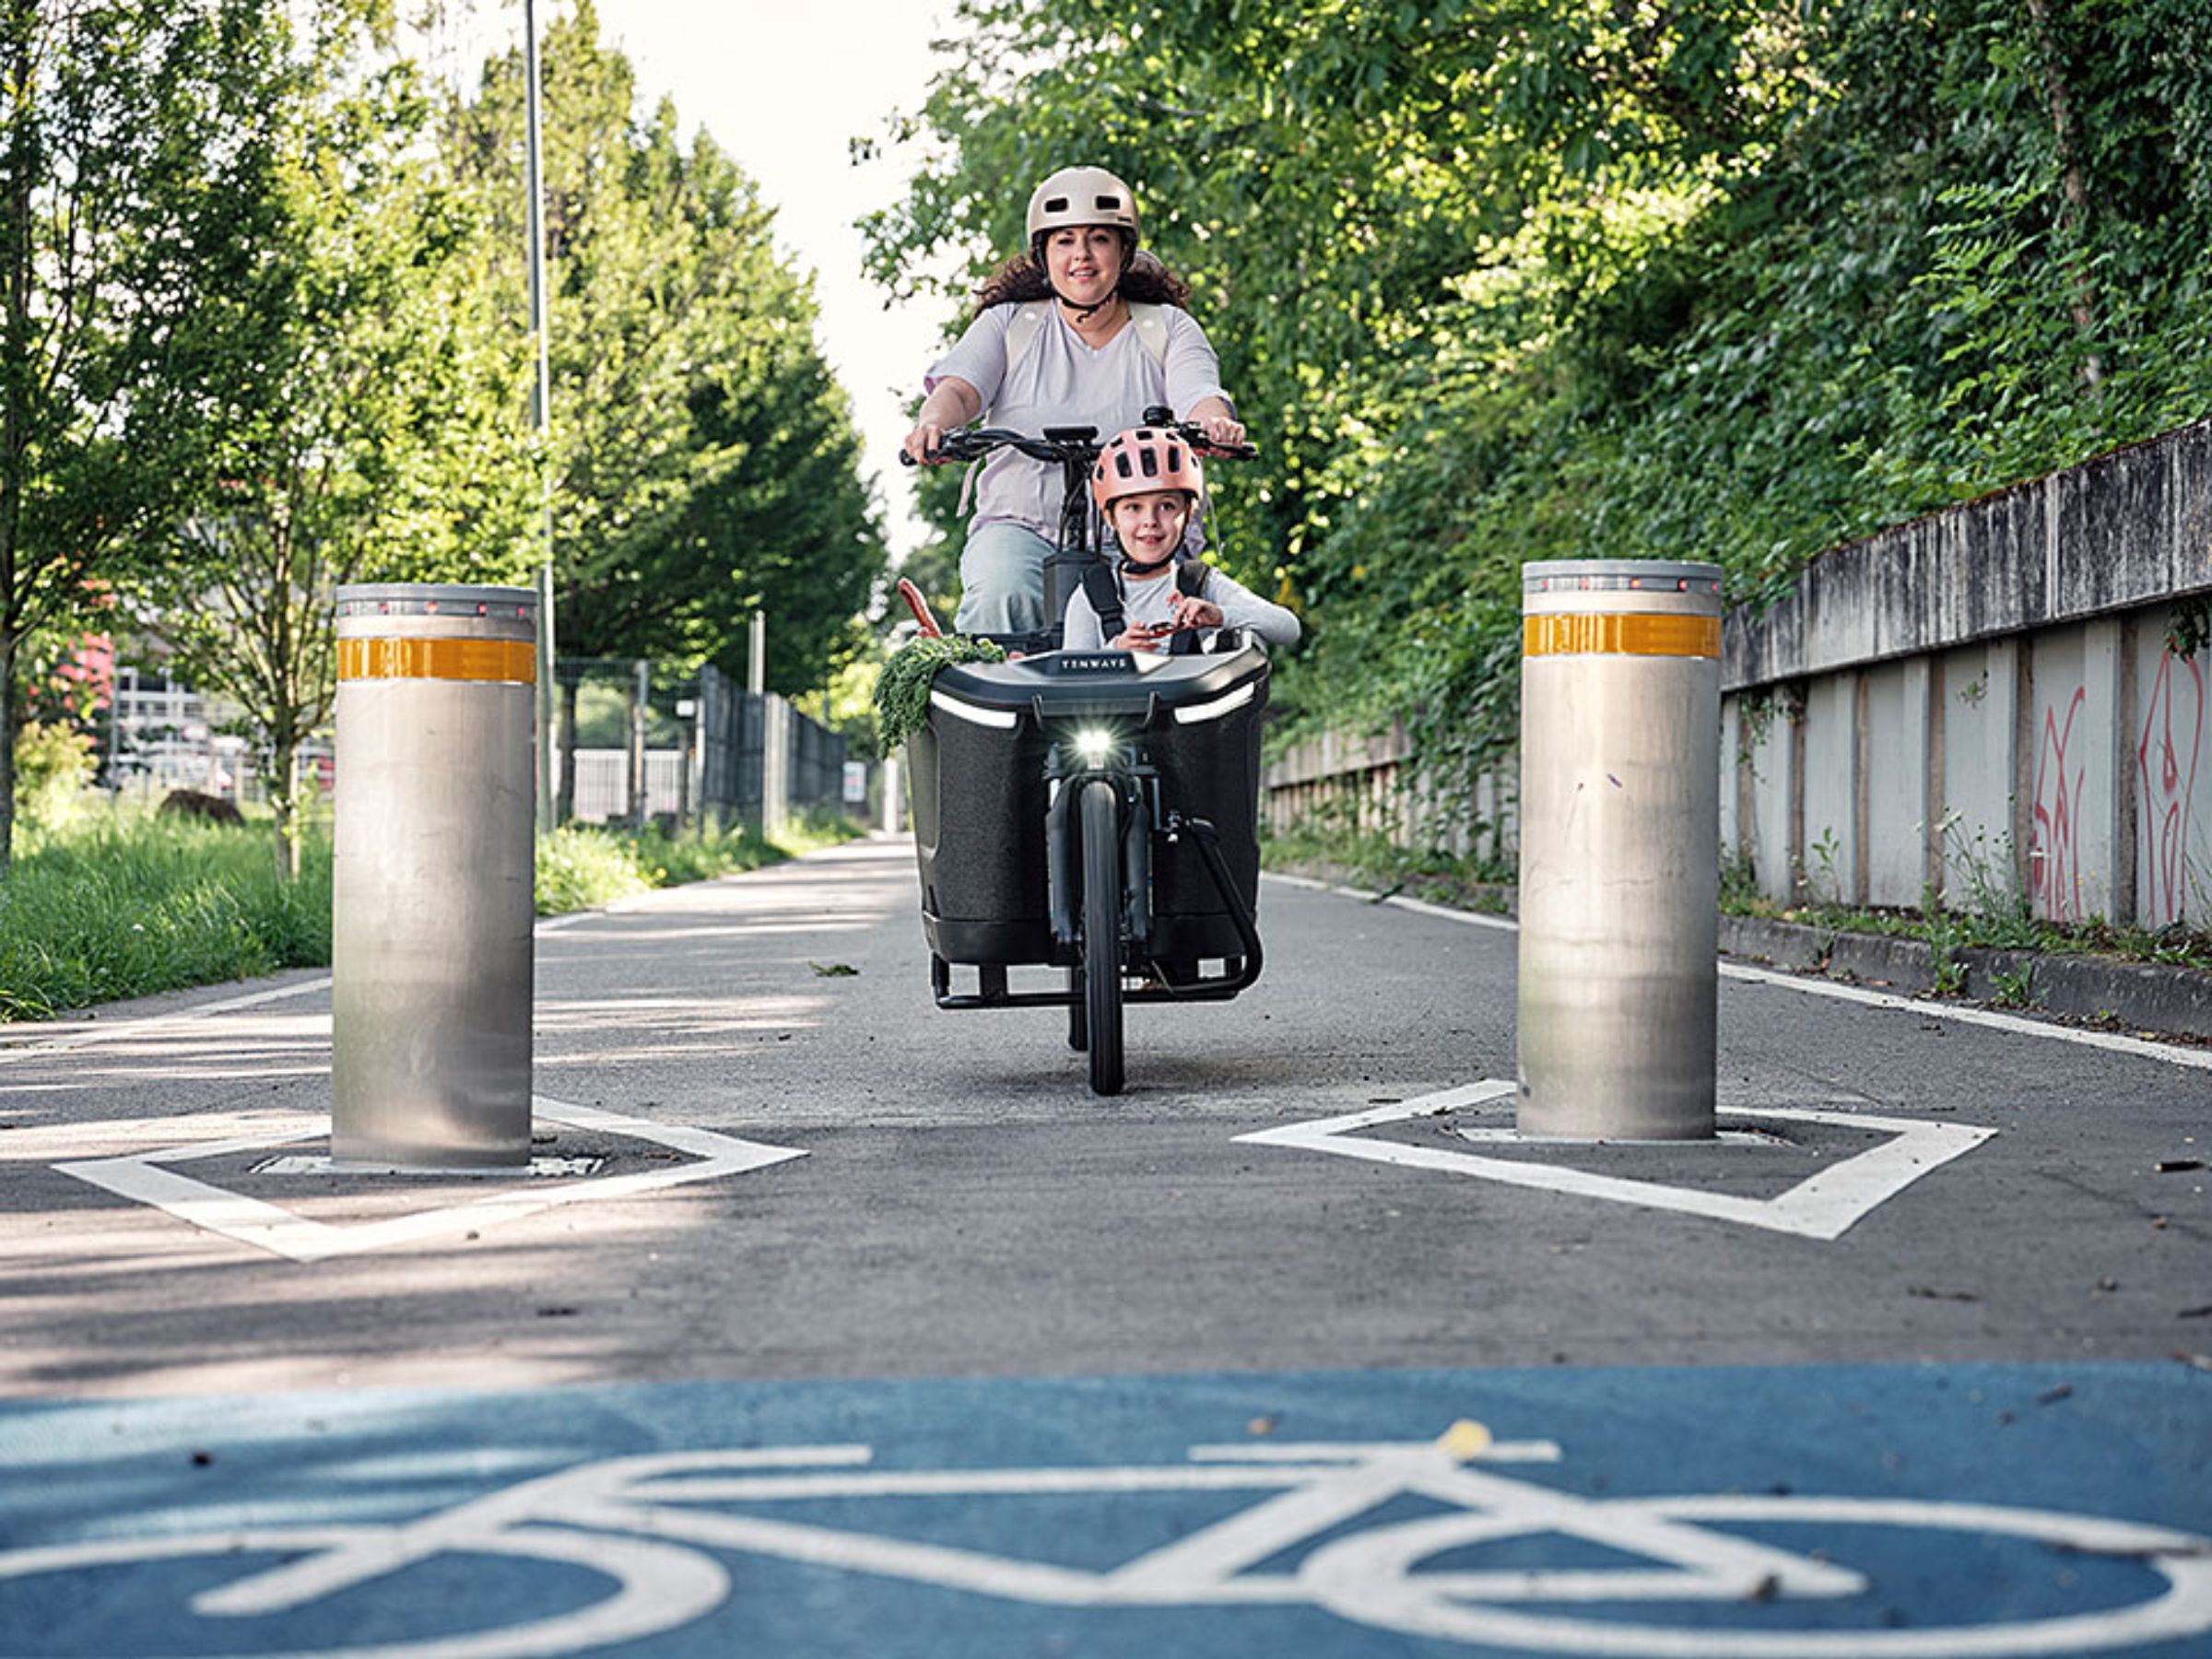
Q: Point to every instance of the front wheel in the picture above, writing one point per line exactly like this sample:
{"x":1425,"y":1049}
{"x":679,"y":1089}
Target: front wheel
{"x":1101,"y":828}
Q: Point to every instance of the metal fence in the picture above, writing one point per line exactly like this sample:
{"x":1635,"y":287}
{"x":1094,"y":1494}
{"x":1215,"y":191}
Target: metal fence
{"x":639,"y":744}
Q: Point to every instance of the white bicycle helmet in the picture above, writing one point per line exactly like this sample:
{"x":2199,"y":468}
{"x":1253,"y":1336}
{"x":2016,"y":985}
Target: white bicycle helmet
{"x":1082,"y":196}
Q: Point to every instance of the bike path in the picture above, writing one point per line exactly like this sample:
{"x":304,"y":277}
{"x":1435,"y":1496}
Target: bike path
{"x":964,"y":1206}
{"x":997,"y":1504}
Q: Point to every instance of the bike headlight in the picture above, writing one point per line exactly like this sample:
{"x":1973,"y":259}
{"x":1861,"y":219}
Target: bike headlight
{"x":1092,"y":745}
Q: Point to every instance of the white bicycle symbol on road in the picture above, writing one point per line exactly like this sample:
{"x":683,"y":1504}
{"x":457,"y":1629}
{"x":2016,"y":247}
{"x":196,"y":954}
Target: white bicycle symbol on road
{"x":647,"y":1524}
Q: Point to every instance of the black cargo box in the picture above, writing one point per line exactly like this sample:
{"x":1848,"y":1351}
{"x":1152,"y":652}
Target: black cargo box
{"x":975,"y":778}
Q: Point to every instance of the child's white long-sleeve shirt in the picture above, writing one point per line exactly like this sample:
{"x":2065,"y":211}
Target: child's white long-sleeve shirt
{"x":1152,"y":599}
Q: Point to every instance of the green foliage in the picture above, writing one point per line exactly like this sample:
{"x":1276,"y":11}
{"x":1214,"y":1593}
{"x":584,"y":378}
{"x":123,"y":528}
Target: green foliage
{"x":383,"y":443}
{"x":2012,"y":988}
{"x":1494,"y":282}
{"x":703,"y":461}
{"x":53,"y":769}
{"x":583,"y":866}
{"x":137,"y":198}
{"x":902,"y":690}
{"x":135,"y":906}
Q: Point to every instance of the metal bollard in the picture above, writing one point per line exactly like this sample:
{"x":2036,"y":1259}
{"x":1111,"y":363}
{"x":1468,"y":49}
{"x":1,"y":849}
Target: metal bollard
{"x":431,"y":901}
{"x":1619,"y":818}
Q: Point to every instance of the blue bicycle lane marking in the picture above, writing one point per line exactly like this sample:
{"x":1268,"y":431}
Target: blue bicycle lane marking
{"x":980,"y":1517}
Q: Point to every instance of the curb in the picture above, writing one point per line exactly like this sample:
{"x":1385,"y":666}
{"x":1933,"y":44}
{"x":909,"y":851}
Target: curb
{"x":2136,"y":996}
{"x":2175,"y":1002}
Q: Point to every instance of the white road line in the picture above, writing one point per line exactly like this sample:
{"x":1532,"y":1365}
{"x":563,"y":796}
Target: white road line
{"x":1824,"y":1205}
{"x":78,"y":1035}
{"x":1421,"y":907}
{"x":75,"y":1034}
{"x":144,"y":1178}
{"x":2172,"y":1054}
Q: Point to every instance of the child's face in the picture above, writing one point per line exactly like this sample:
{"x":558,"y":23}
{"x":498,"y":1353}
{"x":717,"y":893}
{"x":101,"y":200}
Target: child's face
{"x":1150,"y":526}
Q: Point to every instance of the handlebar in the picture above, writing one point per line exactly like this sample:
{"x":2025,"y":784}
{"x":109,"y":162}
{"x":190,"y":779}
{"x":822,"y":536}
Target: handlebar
{"x":1061,"y":445}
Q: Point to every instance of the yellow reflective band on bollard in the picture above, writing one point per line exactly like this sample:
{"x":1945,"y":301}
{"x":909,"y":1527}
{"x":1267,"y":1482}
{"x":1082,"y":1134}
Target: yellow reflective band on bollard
{"x":513,"y":661}
{"x":1637,"y":634}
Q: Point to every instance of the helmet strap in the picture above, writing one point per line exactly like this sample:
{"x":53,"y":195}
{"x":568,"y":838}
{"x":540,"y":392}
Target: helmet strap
{"x":1080,"y":314}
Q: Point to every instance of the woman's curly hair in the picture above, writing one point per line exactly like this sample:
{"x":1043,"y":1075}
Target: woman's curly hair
{"x":1022,"y":278}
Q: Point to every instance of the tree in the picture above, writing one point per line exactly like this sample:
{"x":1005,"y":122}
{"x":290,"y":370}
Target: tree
{"x":136,"y":196}
{"x":383,"y":443}
{"x":703,"y":461}
{"x":1716,"y":279}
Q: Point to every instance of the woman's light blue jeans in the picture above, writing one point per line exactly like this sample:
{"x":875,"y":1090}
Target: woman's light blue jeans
{"x":1001,"y":580}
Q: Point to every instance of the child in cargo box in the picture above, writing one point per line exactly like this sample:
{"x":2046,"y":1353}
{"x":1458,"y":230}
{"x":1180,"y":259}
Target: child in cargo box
{"x":1148,"y":484}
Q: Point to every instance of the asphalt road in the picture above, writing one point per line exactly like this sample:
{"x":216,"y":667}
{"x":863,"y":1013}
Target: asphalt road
{"x":967,"y":1207}
{"x":1940,"y":1257}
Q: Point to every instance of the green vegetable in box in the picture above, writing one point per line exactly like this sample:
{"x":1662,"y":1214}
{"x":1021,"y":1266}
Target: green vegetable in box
{"x":903,"y":692}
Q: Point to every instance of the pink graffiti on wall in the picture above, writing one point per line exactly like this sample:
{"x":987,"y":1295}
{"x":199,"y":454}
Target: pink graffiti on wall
{"x":2174,"y":731}
{"x":2053,"y":855}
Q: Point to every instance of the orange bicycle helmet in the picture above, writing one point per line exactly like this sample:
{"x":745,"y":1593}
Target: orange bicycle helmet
{"x":1144,"y":459}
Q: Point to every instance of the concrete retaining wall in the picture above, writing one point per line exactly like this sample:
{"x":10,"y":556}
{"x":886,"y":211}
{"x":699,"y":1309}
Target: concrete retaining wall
{"x":1978,"y":704}
{"x":1984,"y":702}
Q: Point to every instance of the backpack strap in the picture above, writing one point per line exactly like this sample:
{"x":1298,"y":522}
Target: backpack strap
{"x":1190,"y":581}
{"x":1151,"y":324}
{"x":1105,"y":596}
{"x":1029,"y":319}
{"x":1022,"y":329}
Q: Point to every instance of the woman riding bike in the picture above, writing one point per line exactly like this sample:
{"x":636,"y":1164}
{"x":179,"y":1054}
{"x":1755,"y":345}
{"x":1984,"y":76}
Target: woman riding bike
{"x":1082,"y":330}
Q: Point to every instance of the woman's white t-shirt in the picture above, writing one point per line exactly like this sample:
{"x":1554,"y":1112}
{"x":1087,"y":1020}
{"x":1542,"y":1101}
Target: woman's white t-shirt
{"x":1062,"y":381}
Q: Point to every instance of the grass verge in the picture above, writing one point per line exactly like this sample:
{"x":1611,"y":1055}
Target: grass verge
{"x":582,"y":867}
{"x":132,"y":906}
{"x":136,"y":905}
{"x":1374,"y":862}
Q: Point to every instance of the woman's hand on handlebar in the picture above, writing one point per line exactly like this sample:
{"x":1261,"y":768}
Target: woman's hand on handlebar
{"x":952,"y":405}
{"x":1212,"y":428}
{"x":1223,"y":431}
{"x":924,"y":446}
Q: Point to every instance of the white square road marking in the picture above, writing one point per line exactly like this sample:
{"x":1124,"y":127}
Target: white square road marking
{"x":147,"y":1178}
{"x":1824,"y":1205}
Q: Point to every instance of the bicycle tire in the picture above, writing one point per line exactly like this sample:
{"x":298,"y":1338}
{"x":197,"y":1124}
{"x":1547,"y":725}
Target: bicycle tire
{"x":1101,"y":825}
{"x":1368,"y":1578}
{"x":658,"y":1587}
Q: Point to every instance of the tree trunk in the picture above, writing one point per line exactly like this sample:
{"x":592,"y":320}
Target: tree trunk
{"x":565,"y":808}
{"x":9,"y":713}
{"x":284,"y":806}
{"x":16,"y":334}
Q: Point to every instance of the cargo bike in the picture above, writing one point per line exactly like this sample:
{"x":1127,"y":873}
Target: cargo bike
{"x":1092,"y":811}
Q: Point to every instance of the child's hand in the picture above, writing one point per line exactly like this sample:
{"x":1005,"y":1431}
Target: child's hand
{"x":1194,"y":612}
